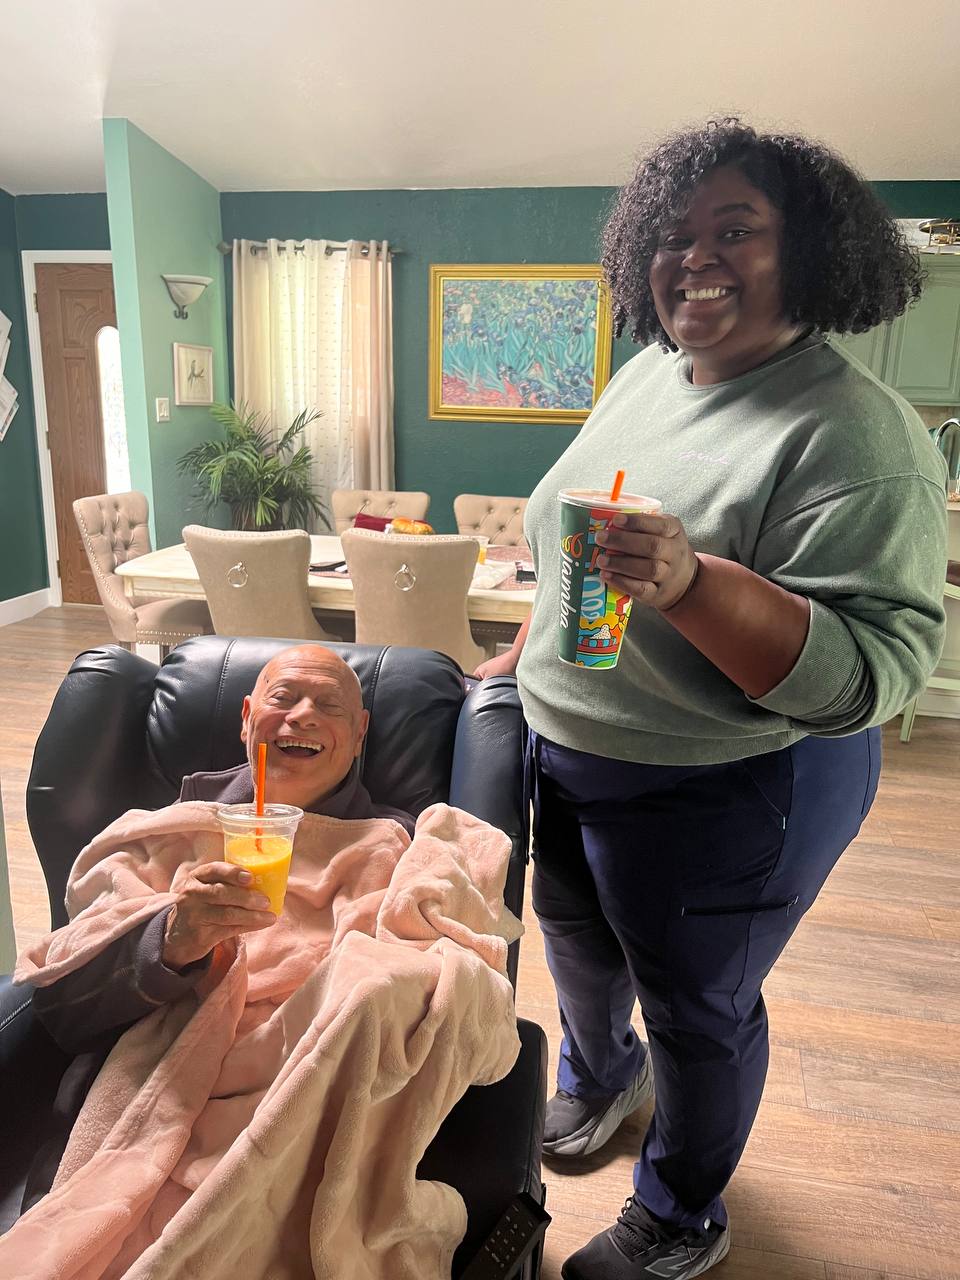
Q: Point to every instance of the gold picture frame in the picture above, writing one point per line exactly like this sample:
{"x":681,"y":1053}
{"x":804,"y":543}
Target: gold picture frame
{"x":518,"y":343}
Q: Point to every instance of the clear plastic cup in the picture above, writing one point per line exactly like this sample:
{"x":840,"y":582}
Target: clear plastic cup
{"x":262,"y":844}
{"x":482,"y":543}
{"x":593,"y":615}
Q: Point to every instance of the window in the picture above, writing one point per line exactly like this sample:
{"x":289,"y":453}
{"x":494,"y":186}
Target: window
{"x":111,"y":410}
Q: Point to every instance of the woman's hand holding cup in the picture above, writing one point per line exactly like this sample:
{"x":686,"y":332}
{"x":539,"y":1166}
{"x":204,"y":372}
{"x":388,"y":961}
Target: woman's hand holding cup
{"x":649,"y":559}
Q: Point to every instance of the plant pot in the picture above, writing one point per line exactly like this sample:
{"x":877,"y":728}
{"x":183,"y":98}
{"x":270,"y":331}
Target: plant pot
{"x":247,"y":526}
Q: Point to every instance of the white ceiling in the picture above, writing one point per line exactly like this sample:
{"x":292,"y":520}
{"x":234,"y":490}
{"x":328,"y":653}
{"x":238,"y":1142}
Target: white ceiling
{"x":325,"y":95}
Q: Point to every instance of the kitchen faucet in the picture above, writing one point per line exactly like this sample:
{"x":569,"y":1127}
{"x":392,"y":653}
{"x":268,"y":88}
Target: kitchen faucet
{"x":947,"y":440}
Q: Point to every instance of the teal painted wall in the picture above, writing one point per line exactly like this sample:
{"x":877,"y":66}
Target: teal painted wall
{"x":522,"y":224}
{"x":63,"y":222}
{"x":23,"y":560}
{"x":920,"y":199}
{"x":163,"y":218}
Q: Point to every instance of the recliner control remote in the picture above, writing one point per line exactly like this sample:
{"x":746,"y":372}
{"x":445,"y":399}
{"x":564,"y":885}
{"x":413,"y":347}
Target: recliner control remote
{"x":512,"y":1240}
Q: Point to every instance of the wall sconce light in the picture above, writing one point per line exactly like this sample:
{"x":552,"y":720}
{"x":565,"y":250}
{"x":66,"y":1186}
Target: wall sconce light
{"x":185,"y":290}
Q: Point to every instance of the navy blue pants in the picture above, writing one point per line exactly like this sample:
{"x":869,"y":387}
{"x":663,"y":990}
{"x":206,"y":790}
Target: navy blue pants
{"x":679,"y":886}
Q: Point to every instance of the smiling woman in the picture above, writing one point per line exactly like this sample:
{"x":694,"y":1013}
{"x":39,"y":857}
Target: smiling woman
{"x":691,"y":801}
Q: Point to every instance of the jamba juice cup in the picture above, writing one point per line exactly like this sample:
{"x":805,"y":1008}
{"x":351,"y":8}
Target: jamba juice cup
{"x":262,"y":844}
{"x":593,"y":615}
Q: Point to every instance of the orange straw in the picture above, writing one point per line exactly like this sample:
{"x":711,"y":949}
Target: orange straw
{"x":261,"y":776}
{"x":617,"y":486}
{"x":261,"y":786}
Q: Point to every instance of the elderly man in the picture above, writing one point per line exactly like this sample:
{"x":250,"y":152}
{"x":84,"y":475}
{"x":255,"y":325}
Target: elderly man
{"x":307,"y":707}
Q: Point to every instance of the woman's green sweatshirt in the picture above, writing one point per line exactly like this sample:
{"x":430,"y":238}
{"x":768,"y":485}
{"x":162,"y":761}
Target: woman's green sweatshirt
{"x":807,"y":470}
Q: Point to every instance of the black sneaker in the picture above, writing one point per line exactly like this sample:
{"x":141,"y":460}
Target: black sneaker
{"x":573,"y":1127}
{"x":641,"y":1247}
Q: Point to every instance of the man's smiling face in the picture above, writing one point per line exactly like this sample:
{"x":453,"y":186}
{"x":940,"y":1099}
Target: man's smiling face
{"x":306,"y":706}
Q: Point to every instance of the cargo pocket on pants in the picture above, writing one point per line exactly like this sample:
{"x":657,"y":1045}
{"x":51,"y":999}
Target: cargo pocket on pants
{"x":736,"y":910}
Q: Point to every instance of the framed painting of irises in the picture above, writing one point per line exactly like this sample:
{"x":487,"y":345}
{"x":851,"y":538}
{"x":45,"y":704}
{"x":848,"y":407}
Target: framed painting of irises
{"x":518,"y":343}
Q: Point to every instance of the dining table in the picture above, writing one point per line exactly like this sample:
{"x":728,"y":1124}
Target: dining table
{"x":495,"y":613}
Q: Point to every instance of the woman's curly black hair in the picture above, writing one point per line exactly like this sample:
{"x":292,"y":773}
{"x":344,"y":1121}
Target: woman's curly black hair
{"x":846,"y":266}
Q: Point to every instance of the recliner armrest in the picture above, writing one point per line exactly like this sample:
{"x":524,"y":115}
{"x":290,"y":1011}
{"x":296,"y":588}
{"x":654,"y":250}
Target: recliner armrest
{"x":15,"y":1019}
{"x":487,"y":777}
{"x":28,"y":1054}
{"x":487,"y":774}
{"x":31,"y":1067}
{"x":489,"y":1145}
{"x":100,"y":711}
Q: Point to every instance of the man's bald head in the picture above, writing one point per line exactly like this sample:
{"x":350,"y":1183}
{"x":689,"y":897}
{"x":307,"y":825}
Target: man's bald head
{"x":306,"y":658}
{"x":307,"y":706}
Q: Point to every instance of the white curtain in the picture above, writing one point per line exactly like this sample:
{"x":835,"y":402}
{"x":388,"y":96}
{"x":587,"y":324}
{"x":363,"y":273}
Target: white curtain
{"x":312,"y":330}
{"x":366,"y":386}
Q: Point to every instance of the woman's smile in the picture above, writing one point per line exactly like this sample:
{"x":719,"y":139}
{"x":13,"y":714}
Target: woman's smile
{"x":705,"y":295}
{"x":703,"y":303}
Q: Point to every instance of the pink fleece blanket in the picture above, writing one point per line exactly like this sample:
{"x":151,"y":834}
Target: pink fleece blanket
{"x":271,"y":1124}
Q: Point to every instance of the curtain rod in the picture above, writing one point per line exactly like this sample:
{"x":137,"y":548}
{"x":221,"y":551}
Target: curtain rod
{"x":227,"y":249}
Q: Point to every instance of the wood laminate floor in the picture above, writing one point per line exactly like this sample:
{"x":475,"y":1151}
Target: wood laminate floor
{"x":853,"y":1168}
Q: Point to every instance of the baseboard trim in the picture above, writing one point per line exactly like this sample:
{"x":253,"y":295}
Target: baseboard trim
{"x":21,"y":607}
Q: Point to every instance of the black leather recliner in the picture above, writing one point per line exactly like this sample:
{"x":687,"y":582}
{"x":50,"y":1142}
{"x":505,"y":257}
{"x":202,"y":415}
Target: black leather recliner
{"x":122,"y":733}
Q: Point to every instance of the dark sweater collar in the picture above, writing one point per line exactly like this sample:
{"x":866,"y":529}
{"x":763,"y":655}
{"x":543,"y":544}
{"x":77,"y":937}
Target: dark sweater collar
{"x":351,"y":799}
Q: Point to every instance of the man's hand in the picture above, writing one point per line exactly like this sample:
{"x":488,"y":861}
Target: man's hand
{"x":213,"y":904}
{"x":654,"y":563}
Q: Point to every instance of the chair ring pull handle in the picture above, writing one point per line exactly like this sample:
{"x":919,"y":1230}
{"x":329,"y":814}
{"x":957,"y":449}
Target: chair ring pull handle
{"x":237,"y":575}
{"x":404,"y":579}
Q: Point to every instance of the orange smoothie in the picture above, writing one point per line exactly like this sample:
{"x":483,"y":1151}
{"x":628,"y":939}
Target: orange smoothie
{"x":267,"y":858}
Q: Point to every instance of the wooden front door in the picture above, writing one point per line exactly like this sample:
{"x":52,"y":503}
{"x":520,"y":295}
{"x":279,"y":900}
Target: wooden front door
{"x":74,"y":302}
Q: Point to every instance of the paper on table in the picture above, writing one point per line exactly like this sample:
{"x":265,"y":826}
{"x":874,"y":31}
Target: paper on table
{"x":491,"y":574}
{"x":4,"y":329}
{"x":4,"y":352}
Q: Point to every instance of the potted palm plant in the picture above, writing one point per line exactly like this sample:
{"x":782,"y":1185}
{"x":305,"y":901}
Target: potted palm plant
{"x":264,"y":478}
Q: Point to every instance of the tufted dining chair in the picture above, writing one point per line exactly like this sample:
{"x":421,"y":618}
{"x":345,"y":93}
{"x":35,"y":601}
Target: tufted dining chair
{"x":348,"y":503}
{"x":256,"y":583}
{"x":411,"y":590}
{"x":113,"y":528}
{"x":500,"y":519}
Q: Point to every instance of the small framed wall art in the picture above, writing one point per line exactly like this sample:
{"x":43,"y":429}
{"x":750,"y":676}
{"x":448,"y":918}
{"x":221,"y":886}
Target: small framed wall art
{"x":192,"y":374}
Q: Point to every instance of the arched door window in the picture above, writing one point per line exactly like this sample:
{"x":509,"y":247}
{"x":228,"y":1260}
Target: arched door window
{"x":111,"y":410}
